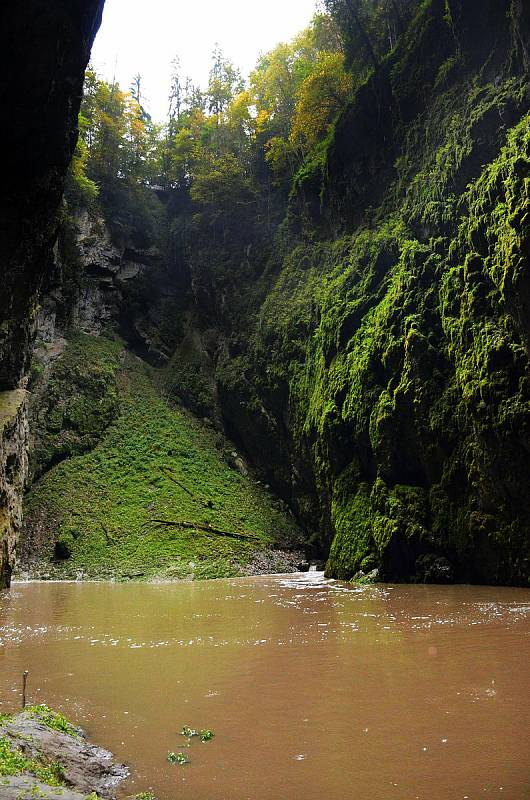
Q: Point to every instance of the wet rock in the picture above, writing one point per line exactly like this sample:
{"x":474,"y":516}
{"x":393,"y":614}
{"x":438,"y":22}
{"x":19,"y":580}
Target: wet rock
{"x":271,"y":562}
{"x":367,"y":577}
{"x":238,"y":463}
{"x":108,"y":266}
{"x":47,"y":46}
{"x":434,"y":569}
{"x":87,"y":768}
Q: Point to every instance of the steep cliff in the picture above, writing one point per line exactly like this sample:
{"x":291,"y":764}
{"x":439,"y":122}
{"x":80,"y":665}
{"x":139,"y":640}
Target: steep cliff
{"x":123,"y":483}
{"x":373,"y":359}
{"x":45,"y":47}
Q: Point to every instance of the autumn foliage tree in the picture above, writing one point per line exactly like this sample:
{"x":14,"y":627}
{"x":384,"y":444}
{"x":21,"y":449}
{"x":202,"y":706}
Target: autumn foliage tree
{"x":233,"y":145}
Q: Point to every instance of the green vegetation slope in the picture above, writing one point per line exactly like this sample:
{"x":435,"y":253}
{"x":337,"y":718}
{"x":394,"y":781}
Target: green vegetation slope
{"x":159,"y":493}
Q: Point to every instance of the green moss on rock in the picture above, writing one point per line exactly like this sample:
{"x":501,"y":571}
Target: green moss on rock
{"x":76,"y":398}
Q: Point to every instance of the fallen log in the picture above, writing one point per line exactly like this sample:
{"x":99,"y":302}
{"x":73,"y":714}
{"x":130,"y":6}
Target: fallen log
{"x":201,"y":527}
{"x":167,"y":472}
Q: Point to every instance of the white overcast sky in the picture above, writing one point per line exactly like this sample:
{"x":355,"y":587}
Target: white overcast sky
{"x":144,"y":36}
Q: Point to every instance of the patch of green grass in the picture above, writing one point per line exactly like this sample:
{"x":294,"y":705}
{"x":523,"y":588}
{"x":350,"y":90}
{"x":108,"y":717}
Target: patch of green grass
{"x":52,"y":719}
{"x":52,"y":774}
{"x":129,"y":507}
{"x":14,"y":762}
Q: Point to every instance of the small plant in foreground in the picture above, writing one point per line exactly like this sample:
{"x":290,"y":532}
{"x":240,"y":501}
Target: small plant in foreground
{"x":177,"y":758}
{"x":52,"y":774}
{"x":206,"y":735}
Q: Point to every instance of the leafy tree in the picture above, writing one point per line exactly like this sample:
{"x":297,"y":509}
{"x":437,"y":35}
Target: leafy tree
{"x":223,"y":194}
{"x":350,"y":18}
{"x":224,"y":83}
{"x":370,"y":28}
{"x":137,"y":94}
{"x":298,"y":89}
{"x":79,"y":189}
{"x":176,"y":93}
{"x":319,"y":98}
{"x":194,"y":99}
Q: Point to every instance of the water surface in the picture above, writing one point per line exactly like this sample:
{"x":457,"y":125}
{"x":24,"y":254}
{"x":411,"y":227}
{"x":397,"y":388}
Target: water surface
{"x":313,"y":688}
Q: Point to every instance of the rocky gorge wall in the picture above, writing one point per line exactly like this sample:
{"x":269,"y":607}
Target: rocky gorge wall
{"x":86,"y":294}
{"x":45,"y":47}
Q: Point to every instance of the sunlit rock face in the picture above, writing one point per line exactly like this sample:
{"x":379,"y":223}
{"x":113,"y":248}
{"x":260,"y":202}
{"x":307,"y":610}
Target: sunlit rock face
{"x":45,"y":47}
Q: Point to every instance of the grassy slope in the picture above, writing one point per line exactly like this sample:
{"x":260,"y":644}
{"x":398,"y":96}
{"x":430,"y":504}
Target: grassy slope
{"x":152,"y":462}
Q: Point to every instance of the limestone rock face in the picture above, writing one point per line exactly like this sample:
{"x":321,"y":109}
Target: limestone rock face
{"x":113,"y":282}
{"x":109,"y":266}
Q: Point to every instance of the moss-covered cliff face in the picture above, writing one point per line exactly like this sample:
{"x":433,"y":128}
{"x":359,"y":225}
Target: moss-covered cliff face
{"x":45,"y":47}
{"x":375,"y":365}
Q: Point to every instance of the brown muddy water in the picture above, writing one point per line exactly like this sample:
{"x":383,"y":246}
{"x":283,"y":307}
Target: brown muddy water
{"x":313,"y":688}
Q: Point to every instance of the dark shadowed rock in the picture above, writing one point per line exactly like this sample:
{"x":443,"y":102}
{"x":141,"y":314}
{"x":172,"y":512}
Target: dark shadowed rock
{"x":45,"y":48}
{"x":434,"y":569}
